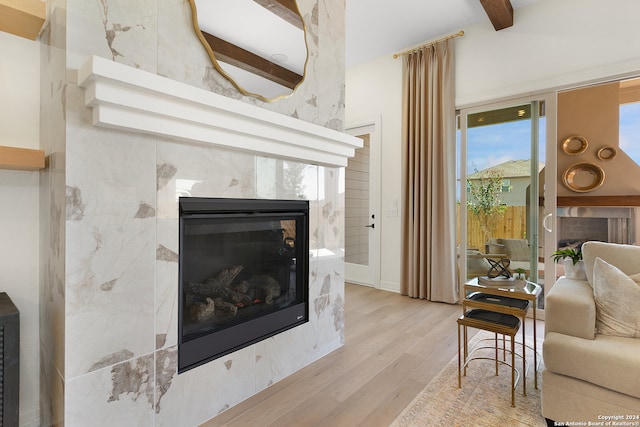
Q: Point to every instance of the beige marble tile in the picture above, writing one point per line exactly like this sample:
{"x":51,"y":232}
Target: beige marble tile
{"x":110,"y":268}
{"x":120,"y":30}
{"x":199,"y":394}
{"x":119,"y":395}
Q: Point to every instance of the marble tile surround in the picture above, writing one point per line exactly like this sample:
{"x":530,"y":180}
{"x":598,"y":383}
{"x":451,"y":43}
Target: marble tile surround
{"x":122,"y":275}
{"x":109,"y":295}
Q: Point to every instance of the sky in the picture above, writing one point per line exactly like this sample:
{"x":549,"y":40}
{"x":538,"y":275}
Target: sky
{"x":489,"y":146}
{"x":630,"y":130}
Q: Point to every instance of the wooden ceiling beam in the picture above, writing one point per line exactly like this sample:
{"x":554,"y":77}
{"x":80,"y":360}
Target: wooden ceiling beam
{"x":241,"y":58}
{"x":500,"y":13}
{"x":285,"y":9}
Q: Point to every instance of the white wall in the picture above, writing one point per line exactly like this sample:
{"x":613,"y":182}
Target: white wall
{"x":553,"y":44}
{"x":19,"y":217}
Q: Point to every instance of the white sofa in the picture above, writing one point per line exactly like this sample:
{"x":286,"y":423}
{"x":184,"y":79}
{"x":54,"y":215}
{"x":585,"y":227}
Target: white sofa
{"x":587,"y":375}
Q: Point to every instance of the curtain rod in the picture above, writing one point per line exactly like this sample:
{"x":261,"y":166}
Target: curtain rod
{"x":452,"y":36}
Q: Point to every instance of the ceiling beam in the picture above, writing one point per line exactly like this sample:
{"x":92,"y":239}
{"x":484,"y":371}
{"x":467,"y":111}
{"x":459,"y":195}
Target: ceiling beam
{"x":241,"y":58}
{"x":500,"y":13}
{"x":285,"y":9}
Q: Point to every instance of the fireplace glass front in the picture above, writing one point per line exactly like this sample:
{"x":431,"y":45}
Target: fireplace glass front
{"x":243,"y":274}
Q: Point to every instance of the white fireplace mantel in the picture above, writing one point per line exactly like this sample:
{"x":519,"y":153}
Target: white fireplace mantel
{"x":131,"y":99}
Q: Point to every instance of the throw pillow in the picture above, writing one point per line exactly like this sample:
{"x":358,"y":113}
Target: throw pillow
{"x":617,"y":298}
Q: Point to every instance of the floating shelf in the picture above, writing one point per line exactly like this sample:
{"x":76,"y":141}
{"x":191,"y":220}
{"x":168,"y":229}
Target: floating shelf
{"x":21,"y":159}
{"x":23,"y":18}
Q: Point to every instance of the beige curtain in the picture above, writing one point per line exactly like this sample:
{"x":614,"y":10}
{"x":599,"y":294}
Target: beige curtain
{"x":428,"y":133}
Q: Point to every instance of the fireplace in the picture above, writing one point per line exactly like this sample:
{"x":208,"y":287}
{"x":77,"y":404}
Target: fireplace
{"x":243,"y":274}
{"x":578,"y":224}
{"x":170,"y":134}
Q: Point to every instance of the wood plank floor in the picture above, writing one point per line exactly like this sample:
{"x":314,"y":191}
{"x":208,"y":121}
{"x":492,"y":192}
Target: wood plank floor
{"x":394,"y":346}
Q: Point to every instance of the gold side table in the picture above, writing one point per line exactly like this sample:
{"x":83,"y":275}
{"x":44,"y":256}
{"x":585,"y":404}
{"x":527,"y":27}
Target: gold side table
{"x":520,"y":290}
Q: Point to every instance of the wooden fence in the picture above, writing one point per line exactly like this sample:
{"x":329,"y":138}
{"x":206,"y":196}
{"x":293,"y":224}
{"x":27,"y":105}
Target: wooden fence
{"x":511,"y":224}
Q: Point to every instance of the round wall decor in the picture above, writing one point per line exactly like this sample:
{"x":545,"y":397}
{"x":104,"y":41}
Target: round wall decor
{"x":583,"y":177}
{"x":575,"y":145}
{"x":607,"y":153}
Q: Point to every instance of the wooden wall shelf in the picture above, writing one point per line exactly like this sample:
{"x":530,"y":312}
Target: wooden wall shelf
{"x":23,"y":18}
{"x":21,"y":159}
{"x":608,"y":201}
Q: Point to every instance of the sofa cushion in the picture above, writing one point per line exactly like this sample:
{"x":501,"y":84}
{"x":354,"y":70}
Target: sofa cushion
{"x":568,"y":398}
{"x":617,"y":299}
{"x":625,"y":257}
{"x":607,"y":361}
{"x":570,"y":309}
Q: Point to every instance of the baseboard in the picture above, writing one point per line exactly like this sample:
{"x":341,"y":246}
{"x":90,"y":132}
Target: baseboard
{"x":390,"y":286}
{"x":384,"y":286}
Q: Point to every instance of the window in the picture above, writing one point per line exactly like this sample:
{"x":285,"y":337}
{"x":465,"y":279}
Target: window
{"x":506,"y":186}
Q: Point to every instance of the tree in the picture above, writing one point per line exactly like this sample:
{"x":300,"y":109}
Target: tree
{"x":485,"y":201}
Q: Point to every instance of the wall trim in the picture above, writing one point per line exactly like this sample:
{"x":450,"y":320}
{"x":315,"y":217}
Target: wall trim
{"x":390,"y":286}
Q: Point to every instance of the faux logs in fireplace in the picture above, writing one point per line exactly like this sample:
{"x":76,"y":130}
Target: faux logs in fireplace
{"x":244,"y":274}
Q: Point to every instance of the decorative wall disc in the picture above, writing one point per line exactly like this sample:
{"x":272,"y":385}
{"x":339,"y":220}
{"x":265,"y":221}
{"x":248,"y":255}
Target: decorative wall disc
{"x":607,"y":153}
{"x":583,"y":177}
{"x":575,"y":145}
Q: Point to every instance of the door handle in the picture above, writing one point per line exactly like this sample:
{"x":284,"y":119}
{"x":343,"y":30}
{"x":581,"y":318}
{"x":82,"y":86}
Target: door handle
{"x":371,"y":226}
{"x":544,"y":222}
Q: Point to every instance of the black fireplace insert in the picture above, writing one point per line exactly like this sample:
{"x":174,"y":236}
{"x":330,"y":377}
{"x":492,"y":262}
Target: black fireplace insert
{"x":244,"y":274}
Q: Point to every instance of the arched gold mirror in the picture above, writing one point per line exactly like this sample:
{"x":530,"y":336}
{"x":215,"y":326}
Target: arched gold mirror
{"x":258,"y":45}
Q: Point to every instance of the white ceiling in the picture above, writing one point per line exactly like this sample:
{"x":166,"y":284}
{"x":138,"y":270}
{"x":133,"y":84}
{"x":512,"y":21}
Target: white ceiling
{"x":373,"y":29}
{"x":384,"y":27}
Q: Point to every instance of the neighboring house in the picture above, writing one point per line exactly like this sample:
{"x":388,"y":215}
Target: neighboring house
{"x":515,"y":180}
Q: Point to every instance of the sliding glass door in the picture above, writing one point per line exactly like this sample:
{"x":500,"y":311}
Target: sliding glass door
{"x":507,"y":187}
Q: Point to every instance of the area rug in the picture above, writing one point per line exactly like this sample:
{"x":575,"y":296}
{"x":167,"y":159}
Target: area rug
{"x":483,"y":400}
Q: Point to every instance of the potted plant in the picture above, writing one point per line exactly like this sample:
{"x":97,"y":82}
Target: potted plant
{"x":519,"y":273}
{"x":573,"y":264}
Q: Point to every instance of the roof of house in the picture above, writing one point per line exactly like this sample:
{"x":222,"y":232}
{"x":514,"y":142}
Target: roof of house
{"x":509,"y":169}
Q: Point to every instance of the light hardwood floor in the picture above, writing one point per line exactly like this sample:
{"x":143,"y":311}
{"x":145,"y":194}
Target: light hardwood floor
{"x":394,"y":346}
